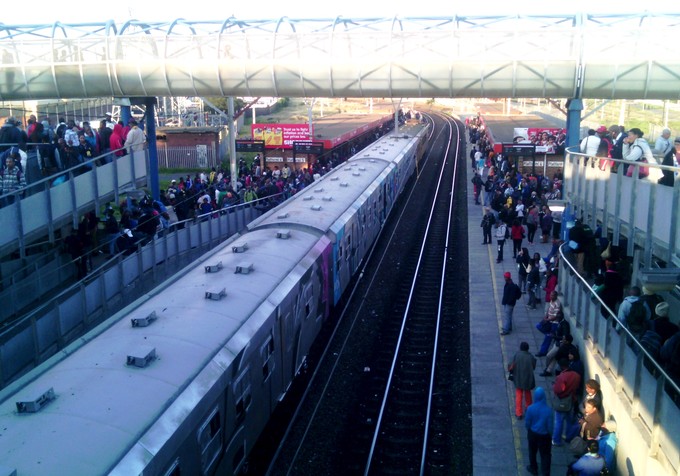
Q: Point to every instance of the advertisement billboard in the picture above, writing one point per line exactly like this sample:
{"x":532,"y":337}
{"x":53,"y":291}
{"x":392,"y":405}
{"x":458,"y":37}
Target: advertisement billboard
{"x":548,"y":140}
{"x":280,"y":136}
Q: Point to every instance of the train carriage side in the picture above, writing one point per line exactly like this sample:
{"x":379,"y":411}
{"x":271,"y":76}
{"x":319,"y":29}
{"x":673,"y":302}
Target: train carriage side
{"x":178,"y":412}
{"x":355,"y":231}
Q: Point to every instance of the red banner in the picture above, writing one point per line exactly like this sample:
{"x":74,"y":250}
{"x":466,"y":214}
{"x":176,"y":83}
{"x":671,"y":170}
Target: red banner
{"x":280,"y":136}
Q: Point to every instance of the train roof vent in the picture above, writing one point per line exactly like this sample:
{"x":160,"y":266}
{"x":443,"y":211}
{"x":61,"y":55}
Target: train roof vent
{"x":327,"y":199}
{"x":282,"y":216}
{"x":283,"y":234}
{"x":333,"y":179}
{"x":372,"y":161}
{"x":141,"y":357}
{"x":244,"y":268}
{"x":318,"y":190}
{"x":308,"y":198}
{"x":216,"y":295}
{"x":382,"y":152}
{"x":348,"y":168}
{"x":344,"y":184}
{"x":356,"y":174}
{"x":367,"y":154}
{"x":362,"y":169}
{"x":144,"y":321}
{"x":240,"y":248}
{"x":316,"y":208}
{"x":37,"y":404}
{"x":214,"y":268}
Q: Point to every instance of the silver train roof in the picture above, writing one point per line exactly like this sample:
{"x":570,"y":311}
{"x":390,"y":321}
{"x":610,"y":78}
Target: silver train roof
{"x":103,"y":405}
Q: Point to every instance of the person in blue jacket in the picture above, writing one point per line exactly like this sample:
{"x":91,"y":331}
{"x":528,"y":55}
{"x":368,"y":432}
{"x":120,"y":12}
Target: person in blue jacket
{"x":539,"y":423}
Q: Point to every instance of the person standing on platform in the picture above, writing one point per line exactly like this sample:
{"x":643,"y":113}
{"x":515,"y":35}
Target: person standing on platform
{"x":522,"y":367}
{"x":502,"y":234}
{"x":539,"y":425}
{"x":488,"y":221}
{"x":511,"y":293}
{"x":565,"y":387}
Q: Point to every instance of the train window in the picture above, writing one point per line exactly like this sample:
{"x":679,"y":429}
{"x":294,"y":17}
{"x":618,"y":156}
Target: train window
{"x":267,"y":351}
{"x":210,"y":440}
{"x":242,"y":395}
{"x":174,"y":469}
{"x":349,"y":247}
{"x":338,"y":264}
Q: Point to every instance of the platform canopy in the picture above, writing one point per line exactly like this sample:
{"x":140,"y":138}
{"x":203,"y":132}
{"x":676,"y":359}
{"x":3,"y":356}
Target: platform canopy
{"x":561,"y":56}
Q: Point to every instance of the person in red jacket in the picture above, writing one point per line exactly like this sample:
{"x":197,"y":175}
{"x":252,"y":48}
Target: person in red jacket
{"x":517,"y":235}
{"x":116,"y":140}
{"x":565,"y":387}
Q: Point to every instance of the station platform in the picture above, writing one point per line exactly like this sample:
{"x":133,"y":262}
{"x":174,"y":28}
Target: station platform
{"x":499,"y":439}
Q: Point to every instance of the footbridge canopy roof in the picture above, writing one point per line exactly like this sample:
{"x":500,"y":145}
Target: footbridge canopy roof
{"x":562,"y":56}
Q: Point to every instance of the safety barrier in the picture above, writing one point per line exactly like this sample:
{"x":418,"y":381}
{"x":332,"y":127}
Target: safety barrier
{"x":45,"y":205}
{"x":638,"y":209}
{"x":638,"y":393}
{"x":78,"y":309}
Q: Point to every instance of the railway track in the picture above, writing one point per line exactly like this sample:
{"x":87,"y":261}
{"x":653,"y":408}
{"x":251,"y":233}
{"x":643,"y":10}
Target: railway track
{"x":384,"y":397}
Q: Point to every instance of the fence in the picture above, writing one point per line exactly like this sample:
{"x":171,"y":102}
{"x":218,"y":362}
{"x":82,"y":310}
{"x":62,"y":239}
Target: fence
{"x":640,"y":215}
{"x":200,"y":156}
{"x":74,"y":311}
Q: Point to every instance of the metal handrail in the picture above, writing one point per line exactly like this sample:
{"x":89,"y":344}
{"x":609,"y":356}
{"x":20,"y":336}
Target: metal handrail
{"x":638,"y":345}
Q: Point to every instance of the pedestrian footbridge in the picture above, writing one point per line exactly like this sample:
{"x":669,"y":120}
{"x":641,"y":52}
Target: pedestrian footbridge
{"x":610,"y":56}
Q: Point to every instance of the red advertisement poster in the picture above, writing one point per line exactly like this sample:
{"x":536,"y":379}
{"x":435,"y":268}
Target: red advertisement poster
{"x":280,"y":136}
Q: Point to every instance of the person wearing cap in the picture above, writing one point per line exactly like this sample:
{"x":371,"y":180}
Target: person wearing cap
{"x":590,"y":143}
{"x":511,"y":293}
{"x":126,"y":242}
{"x":661,"y":324}
{"x":605,"y":148}
{"x":11,"y":177}
{"x":135,"y":139}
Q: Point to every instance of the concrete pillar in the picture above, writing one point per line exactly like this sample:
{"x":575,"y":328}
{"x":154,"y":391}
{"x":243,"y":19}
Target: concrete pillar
{"x":574,"y":108}
{"x":232,"y":142}
{"x":150,"y":115}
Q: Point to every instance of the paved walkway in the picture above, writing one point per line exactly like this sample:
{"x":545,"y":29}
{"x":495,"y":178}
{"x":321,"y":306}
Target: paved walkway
{"x":499,"y":439}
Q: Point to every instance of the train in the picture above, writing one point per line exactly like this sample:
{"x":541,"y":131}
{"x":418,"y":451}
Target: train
{"x":184,"y":379}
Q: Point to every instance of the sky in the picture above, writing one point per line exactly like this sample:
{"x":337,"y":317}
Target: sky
{"x":44,"y":11}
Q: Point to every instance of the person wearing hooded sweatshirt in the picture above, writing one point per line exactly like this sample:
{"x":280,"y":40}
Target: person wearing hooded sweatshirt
{"x":116,"y":140}
{"x":539,"y":423}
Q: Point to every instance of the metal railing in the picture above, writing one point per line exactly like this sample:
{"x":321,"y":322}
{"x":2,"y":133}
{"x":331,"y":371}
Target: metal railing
{"x":638,"y":209}
{"x":42,"y":207}
{"x":80,"y":307}
{"x":645,"y":391}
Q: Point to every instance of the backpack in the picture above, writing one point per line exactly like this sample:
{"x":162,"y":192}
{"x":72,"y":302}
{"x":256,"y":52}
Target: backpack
{"x":651,"y":300}
{"x":636,"y":317}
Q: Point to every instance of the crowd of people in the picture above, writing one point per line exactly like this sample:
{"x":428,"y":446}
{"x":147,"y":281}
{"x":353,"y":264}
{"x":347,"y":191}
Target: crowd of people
{"x":616,"y":143}
{"x":42,"y":149}
{"x":516,"y":208}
